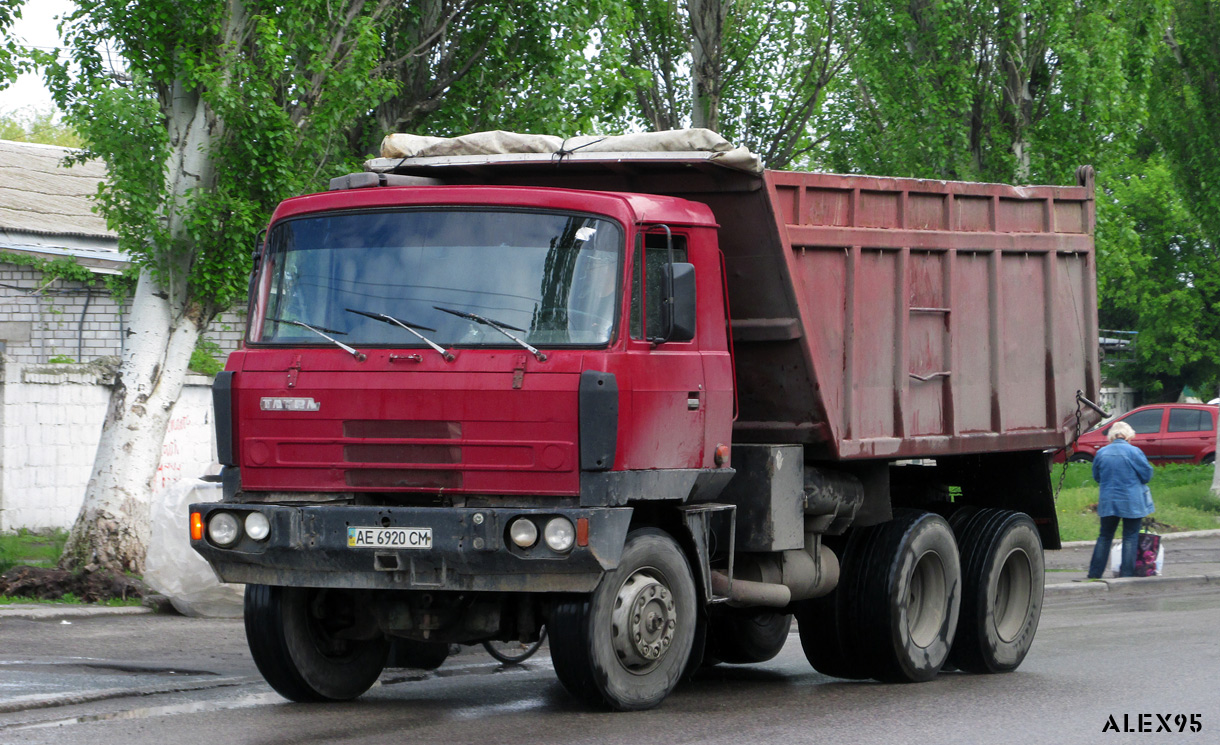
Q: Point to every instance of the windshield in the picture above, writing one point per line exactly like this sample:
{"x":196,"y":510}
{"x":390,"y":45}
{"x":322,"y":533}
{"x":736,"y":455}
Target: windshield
{"x":552,"y":279}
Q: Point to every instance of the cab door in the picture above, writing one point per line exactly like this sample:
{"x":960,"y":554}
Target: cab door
{"x":666,"y":427}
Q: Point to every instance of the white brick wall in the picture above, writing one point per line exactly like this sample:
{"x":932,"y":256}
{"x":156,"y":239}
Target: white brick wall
{"x":50,"y":423}
{"x":56,"y":322}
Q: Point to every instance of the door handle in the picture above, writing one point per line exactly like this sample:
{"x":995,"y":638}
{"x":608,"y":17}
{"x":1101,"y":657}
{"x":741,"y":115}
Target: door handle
{"x":692,"y":401}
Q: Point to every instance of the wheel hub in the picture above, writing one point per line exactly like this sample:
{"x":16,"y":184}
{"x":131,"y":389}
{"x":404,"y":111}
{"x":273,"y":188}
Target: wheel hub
{"x":644,"y":622}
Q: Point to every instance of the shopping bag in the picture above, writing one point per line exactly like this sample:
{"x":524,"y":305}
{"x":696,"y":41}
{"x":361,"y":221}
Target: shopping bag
{"x":1150,"y":556}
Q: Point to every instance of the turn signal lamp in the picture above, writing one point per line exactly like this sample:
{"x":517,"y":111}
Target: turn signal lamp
{"x":196,"y":526}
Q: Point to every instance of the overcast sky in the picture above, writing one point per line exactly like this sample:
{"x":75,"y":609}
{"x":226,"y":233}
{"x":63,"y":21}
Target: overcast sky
{"x":36,"y":27}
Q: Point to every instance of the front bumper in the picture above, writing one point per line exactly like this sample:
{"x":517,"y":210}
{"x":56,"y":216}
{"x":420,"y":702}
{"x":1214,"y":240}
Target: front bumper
{"x":308,"y":547}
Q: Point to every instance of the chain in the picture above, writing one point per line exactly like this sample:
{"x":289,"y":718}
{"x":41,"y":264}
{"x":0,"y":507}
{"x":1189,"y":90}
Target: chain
{"x":1068,"y":449}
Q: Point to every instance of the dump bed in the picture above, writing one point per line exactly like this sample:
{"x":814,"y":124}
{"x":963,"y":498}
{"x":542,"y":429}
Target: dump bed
{"x":872,"y":317}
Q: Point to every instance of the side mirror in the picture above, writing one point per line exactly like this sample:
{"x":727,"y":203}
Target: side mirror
{"x":678,"y":314}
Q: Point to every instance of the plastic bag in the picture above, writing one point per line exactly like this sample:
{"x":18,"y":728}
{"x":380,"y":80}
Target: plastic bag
{"x":1116,"y":557}
{"x":173,"y":568}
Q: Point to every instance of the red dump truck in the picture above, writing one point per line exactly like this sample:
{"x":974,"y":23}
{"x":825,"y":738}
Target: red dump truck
{"x":658,"y":401}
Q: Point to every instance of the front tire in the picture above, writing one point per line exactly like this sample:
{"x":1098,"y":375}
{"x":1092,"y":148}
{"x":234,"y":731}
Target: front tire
{"x":1003,"y":577}
{"x":295,"y":638}
{"x":626,"y":645}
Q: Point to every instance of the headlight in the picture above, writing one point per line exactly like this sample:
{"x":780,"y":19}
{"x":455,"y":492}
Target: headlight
{"x":523,"y":532}
{"x":223,"y":528}
{"x":257,"y":526}
{"x":559,"y":534}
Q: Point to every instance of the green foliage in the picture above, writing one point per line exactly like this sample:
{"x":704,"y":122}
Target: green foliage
{"x":461,"y":66}
{"x":267,"y":91}
{"x":1180,"y":491}
{"x":1158,"y":275}
{"x":204,"y":360}
{"x":42,"y":127}
{"x":758,"y":73}
{"x":1002,"y":91}
{"x":62,"y":359}
{"x":10,"y":52}
{"x":1186,"y":108}
{"x":63,"y":268}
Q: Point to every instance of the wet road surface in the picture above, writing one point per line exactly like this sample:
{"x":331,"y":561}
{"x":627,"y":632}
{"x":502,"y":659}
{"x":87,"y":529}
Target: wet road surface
{"x":1093,"y":659}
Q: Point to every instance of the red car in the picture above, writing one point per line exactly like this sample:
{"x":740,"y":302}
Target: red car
{"x":1167,"y":433}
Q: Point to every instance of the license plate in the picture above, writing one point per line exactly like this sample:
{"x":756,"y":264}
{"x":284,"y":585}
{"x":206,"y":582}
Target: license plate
{"x":420,"y":538}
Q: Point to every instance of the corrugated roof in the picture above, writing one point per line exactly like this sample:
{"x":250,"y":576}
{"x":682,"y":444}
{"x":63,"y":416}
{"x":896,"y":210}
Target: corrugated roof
{"x":39,"y":195}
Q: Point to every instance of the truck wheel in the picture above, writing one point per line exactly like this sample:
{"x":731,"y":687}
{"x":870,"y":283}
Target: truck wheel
{"x":909,"y":596}
{"x":417,"y":655}
{"x":1002,"y":583}
{"x":823,"y":624}
{"x":626,"y":645}
{"x":294,"y":640}
{"x":743,"y":637}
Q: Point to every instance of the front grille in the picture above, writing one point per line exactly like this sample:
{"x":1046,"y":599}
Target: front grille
{"x":402,"y":454}
{"x":402,"y":429}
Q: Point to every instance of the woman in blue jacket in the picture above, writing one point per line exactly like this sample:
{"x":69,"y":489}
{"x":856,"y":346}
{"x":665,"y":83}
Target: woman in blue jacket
{"x":1122,"y":470}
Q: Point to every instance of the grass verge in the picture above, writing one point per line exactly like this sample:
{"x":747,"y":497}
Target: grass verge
{"x":1181,"y":493}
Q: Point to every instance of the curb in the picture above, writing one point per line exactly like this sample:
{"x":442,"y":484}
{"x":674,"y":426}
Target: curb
{"x":1131,"y":585}
{"x":49,"y":612}
{"x":1164,"y":537}
{"x":30,"y":703}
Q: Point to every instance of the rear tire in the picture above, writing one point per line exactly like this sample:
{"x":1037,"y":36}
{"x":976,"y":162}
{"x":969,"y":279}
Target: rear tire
{"x":741,"y":637}
{"x":626,"y":645}
{"x":909,"y":597}
{"x":824,"y":625}
{"x":1080,"y":458}
{"x":1003,"y":576}
{"x":293,"y":638}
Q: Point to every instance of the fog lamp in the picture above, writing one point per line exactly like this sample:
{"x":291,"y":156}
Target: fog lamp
{"x":257,"y":526}
{"x":559,"y":534}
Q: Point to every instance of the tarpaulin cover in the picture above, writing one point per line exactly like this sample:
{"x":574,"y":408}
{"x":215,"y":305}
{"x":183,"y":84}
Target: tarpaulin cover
{"x":703,"y":143}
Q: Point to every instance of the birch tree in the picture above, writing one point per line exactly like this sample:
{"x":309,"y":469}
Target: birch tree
{"x":1012,"y":90}
{"x":757,"y":72}
{"x":206,"y":113}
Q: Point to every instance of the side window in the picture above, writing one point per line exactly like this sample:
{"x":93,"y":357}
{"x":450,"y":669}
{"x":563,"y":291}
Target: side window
{"x":1189,"y":420}
{"x":1146,"y":422}
{"x":646,"y":306}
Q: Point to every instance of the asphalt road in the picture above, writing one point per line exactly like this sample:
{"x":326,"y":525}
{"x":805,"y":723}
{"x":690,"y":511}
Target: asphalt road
{"x":1096,"y":657}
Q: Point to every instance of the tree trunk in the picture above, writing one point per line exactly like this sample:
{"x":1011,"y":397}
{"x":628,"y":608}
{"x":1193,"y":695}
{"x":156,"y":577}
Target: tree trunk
{"x":112,"y":529}
{"x":707,"y":18}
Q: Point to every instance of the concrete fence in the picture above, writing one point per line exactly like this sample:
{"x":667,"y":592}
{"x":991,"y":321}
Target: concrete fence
{"x":50,"y":423}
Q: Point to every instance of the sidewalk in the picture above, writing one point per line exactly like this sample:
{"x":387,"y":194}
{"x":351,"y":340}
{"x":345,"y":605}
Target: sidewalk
{"x":1192,"y":561}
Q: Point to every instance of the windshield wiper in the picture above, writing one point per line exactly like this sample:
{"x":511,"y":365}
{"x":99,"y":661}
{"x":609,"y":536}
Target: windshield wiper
{"x":409,"y":327}
{"x":501,"y":327}
{"x":360,"y":356}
